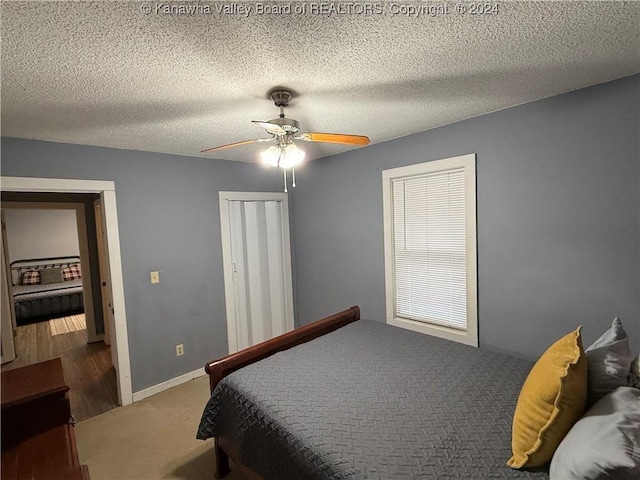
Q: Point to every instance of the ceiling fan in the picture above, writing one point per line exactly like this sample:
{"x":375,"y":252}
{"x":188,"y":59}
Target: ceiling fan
{"x":285,"y":153}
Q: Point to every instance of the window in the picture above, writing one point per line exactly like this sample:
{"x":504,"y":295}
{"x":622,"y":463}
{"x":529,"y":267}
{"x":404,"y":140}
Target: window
{"x":430,"y":248}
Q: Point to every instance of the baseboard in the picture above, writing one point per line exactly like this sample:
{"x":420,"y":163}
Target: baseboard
{"x":174,"y":382}
{"x":94,"y":338}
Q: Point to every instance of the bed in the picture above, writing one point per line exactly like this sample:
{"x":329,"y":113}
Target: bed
{"x":352,"y":399}
{"x":45,"y":288}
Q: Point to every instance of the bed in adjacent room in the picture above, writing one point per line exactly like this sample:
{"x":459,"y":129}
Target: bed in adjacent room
{"x":45,"y":288}
{"x":364,"y":400}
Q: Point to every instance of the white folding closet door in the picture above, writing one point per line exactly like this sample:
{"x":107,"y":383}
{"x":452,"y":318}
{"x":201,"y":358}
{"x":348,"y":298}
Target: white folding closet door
{"x":259,"y":277}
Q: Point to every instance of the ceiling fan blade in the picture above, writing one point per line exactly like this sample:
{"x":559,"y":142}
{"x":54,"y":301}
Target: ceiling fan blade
{"x":335,"y":138}
{"x":231,"y":145}
{"x":271,"y":127}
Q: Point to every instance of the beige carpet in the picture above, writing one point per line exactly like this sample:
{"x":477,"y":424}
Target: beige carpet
{"x":151,"y":439}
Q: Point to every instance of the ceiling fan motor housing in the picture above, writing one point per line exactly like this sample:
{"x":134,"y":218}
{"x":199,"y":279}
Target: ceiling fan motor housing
{"x":289,"y":125}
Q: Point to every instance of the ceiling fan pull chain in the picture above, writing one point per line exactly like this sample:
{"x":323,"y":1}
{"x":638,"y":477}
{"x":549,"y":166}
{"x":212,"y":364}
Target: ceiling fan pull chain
{"x":285,"y":179}
{"x":293,"y":176}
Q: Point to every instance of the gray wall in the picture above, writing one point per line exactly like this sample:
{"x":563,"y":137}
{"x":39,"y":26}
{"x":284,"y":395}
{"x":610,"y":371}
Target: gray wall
{"x":39,"y":233}
{"x":558,"y":185}
{"x":558,"y":226}
{"x":169,"y":220}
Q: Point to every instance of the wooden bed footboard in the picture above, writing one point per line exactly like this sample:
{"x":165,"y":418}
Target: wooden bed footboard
{"x":218,"y":369}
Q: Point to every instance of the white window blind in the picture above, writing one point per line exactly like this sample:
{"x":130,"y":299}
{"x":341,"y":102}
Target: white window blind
{"x":429,"y":248}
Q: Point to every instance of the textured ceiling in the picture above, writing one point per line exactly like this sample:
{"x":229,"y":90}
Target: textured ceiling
{"x":111,"y":74}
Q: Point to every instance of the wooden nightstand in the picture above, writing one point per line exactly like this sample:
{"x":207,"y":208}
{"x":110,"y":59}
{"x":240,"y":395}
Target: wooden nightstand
{"x":38,"y":440}
{"x":34,"y":399}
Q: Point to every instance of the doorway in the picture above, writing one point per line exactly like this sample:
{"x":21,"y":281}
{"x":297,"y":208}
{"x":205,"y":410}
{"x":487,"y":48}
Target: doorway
{"x":57,"y":228}
{"x":105,"y":190}
{"x":256,"y":253}
{"x":59,"y":317}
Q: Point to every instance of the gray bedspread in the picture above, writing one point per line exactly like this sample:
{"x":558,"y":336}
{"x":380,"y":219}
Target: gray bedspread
{"x":39,"y":301}
{"x":372,"y":401}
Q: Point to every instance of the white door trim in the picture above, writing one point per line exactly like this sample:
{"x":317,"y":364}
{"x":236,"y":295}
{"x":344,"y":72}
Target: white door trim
{"x":105,"y":280}
{"x":227,"y":260}
{"x":107,"y":191}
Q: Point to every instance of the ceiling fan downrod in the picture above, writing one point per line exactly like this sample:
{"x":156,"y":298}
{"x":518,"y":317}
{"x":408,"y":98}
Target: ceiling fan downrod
{"x":281,"y":98}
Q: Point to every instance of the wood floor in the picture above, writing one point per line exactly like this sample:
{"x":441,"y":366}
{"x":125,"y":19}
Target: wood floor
{"x":87,"y":367}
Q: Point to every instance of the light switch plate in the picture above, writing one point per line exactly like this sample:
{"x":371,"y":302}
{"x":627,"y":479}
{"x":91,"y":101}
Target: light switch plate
{"x":155,"y":277}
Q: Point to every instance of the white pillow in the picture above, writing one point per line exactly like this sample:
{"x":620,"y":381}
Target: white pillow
{"x":604,"y":443}
{"x":608,"y":361}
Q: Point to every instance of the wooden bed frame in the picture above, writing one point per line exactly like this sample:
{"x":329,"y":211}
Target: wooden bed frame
{"x":218,"y":369}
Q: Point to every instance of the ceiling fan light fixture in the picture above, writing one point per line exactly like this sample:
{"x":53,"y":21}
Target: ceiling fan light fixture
{"x":282,"y":156}
{"x":270,"y":156}
{"x":292,"y":156}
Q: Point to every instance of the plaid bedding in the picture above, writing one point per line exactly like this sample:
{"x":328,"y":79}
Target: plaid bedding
{"x":72,"y":272}
{"x":31,"y":277}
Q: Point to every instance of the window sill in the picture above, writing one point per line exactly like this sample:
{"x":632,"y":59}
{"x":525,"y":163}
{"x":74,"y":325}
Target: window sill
{"x":435,"y":330}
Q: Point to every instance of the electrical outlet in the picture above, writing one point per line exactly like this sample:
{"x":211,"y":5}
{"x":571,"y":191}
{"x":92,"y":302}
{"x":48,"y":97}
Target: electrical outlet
{"x":155,"y":277}
{"x":179,"y":350}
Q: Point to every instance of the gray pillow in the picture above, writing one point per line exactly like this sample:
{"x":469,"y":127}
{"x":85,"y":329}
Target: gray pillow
{"x":608,"y":361}
{"x":51,"y":275}
{"x":604,"y":443}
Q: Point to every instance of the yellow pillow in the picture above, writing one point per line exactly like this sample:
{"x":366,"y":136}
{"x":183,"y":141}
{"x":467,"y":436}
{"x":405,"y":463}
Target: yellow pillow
{"x":552,"y":399}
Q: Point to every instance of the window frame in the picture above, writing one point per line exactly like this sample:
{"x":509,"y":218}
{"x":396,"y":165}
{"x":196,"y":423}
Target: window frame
{"x":468,"y":163}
